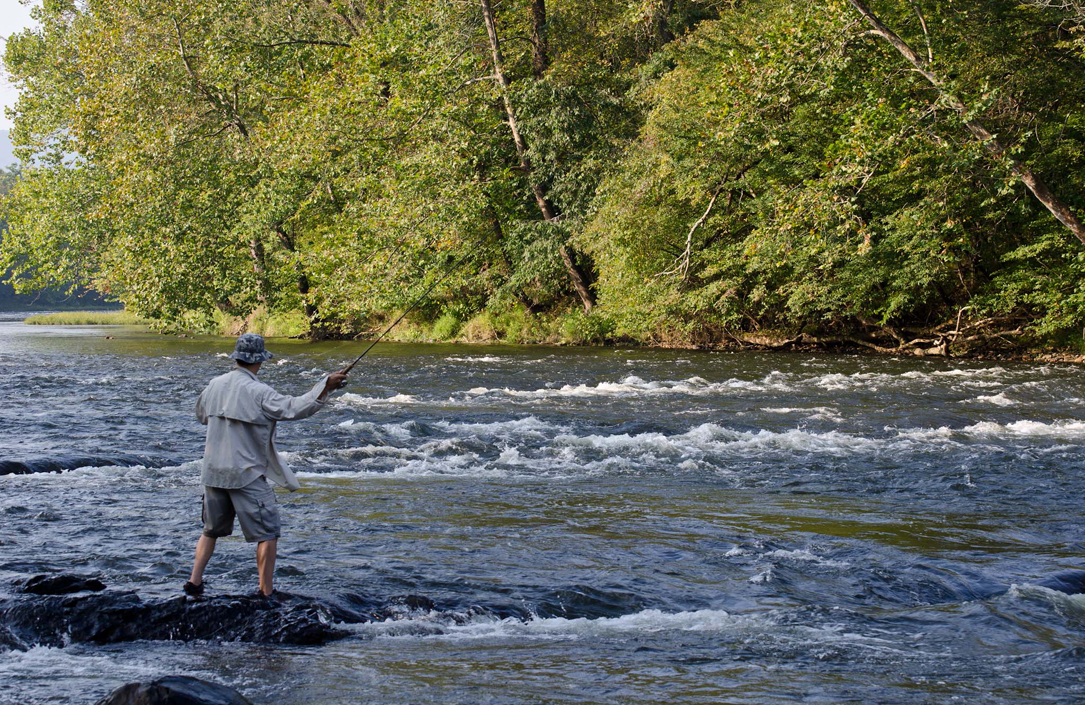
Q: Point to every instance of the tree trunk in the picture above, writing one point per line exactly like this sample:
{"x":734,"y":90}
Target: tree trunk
{"x":576,"y":277}
{"x":540,"y":47}
{"x":662,"y":23}
{"x":316,"y":326}
{"x":256,"y":251}
{"x":1031,"y":181}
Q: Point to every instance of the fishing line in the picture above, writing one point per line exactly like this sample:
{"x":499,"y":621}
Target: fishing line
{"x":450,"y":270}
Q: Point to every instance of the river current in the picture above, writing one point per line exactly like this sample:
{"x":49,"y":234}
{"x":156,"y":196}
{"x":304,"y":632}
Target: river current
{"x":677,"y":526}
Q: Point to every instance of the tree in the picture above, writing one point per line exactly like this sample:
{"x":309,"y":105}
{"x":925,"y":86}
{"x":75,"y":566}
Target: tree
{"x":1033,"y":182}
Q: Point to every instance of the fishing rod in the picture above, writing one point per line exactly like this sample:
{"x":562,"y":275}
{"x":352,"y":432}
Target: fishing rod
{"x":453,"y":268}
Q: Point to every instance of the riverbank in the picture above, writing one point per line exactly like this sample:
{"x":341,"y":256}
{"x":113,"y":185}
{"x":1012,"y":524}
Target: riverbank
{"x":576,"y":328}
{"x":86,"y":318}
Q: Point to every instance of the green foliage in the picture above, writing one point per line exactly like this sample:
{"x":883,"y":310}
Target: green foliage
{"x":446,"y":327}
{"x":579,"y":328}
{"x":309,"y":168}
{"x":843,"y":198}
{"x":479,"y":329}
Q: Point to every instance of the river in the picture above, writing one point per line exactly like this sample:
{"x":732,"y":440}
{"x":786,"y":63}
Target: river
{"x":677,"y":526}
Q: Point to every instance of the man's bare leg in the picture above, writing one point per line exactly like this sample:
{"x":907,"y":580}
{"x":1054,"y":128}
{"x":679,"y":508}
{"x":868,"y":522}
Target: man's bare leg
{"x":265,"y":564}
{"x":204,"y":548}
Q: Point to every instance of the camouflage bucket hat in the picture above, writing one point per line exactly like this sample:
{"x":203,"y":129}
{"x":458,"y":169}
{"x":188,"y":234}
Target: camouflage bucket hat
{"x":250,"y":349}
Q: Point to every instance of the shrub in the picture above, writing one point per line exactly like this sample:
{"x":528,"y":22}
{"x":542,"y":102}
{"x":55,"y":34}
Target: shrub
{"x":447,"y":327}
{"x":479,"y":329}
{"x":579,"y":328}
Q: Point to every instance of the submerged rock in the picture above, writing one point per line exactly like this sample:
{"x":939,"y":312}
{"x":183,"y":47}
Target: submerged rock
{"x":174,"y":690}
{"x":62,"y":584}
{"x":1071,"y":582}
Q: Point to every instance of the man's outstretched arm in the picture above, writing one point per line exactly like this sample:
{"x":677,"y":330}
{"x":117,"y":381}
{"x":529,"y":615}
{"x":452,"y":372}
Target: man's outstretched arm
{"x":280,"y":407}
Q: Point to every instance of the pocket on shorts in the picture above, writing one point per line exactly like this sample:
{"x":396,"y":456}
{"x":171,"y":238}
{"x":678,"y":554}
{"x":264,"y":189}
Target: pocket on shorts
{"x":268,"y":515}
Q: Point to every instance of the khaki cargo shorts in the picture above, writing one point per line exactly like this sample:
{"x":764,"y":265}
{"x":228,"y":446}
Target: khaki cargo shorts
{"x":254,"y":506}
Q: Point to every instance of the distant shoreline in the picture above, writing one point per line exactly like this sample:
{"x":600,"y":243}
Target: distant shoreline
{"x":101,"y":317}
{"x":410,"y":334}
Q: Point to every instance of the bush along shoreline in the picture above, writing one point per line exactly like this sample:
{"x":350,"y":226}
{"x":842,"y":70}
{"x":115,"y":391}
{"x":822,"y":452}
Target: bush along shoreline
{"x":574,"y":327}
{"x":517,"y":326}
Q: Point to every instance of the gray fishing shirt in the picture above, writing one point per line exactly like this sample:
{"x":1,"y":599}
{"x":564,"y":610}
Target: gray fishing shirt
{"x":240,"y":413}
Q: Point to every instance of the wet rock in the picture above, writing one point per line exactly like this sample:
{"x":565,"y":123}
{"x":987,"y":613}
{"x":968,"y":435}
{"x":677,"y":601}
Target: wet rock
{"x":8,"y":642}
{"x":61,"y":463}
{"x":63,"y":584}
{"x":587,"y":601}
{"x":352,"y":608}
{"x":111,"y":617}
{"x":175,"y":690}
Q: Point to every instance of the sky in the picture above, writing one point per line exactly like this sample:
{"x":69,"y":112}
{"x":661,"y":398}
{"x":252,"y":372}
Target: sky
{"x":14,"y":17}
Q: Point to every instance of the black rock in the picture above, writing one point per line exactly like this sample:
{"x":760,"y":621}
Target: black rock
{"x":62,"y":584}
{"x":60,"y":463}
{"x":9,"y":642}
{"x":111,"y":617}
{"x":175,"y":690}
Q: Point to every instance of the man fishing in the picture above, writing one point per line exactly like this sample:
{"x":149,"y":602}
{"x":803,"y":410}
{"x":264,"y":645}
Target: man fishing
{"x":240,"y":413}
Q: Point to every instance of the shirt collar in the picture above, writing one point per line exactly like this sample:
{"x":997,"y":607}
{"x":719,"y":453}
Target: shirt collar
{"x":239,"y":368}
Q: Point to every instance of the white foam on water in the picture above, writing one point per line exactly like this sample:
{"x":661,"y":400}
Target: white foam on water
{"x":476,"y":358}
{"x":528,"y":425}
{"x":707,"y":446}
{"x":375,"y":451}
{"x":511,"y":456}
{"x":398,"y":431}
{"x":366,"y":402}
{"x":463,"y":466}
{"x":999,"y":399}
{"x":765,"y":576}
{"x":972,"y":373}
{"x":1024,"y":428}
{"x":805,"y":555}
{"x":1067,"y":605}
{"x":711,"y":437}
{"x":630,"y":386}
{"x":814,"y":413}
{"x":47,"y":662}
{"x":835,"y":381}
{"x":643,"y":625}
{"x":650,"y":621}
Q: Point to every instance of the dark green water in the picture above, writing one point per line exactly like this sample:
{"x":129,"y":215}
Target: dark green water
{"x":688,"y":527}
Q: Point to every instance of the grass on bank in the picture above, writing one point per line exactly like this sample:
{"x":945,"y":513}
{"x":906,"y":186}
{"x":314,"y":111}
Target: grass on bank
{"x":86,"y":318}
{"x":513,"y":326}
{"x":282,"y":324}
